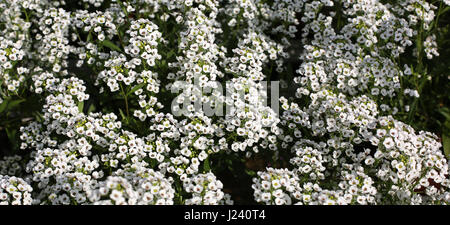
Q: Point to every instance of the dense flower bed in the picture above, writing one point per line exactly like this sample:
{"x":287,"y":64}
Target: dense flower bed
{"x":116,"y":102}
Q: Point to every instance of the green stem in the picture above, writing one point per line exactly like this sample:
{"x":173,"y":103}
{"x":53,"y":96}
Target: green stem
{"x":120,"y":38}
{"x":438,"y":14}
{"x":126,"y":100}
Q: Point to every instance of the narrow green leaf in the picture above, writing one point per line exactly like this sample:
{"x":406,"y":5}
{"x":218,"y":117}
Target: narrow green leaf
{"x":14,"y":103}
{"x":446,"y":125}
{"x":206,"y":166}
{"x":445,"y":10}
{"x":3,"y":105}
{"x":80,"y":106}
{"x":135,"y":88}
{"x":38,"y":116}
{"x":89,"y":37}
{"x":111,"y":45}
{"x":445,"y":112}
{"x":11,"y":133}
{"x":446,"y":144}
{"x":91,"y":108}
{"x":122,"y":114}
{"x":250,"y":172}
{"x":1,"y":82}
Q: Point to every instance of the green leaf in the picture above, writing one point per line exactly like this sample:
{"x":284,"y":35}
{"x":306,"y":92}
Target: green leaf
{"x":80,"y":106}
{"x":206,"y":166}
{"x":3,"y":105}
{"x":89,"y":37}
{"x":14,"y":103}
{"x":38,"y":116}
{"x":446,"y":144}
{"x":1,"y":82}
{"x":445,"y":112}
{"x":135,"y":88}
{"x":250,"y":173}
{"x":170,"y":54}
{"x":11,"y":136}
{"x":122,"y":114}
{"x":111,"y":45}
{"x":91,"y":108}
{"x":445,"y":10}
{"x":446,"y":126}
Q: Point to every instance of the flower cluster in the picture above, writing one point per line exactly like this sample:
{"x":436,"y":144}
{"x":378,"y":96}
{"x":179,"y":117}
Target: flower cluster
{"x":412,"y":162}
{"x":205,"y":190}
{"x":148,"y":188}
{"x":14,"y":191}
{"x":11,"y":54}
{"x":276,"y":186}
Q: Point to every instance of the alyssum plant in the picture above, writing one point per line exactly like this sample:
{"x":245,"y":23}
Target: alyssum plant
{"x":87,"y":89}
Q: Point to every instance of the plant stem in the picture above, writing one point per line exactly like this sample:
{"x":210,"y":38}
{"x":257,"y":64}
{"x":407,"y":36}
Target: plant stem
{"x":126,"y":100}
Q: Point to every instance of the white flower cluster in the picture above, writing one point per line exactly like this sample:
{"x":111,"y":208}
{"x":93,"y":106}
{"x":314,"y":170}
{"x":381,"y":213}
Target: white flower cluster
{"x":309,"y":183}
{"x":104,"y":73}
{"x":412,"y":163}
{"x":275,"y":186}
{"x":205,"y":190}
{"x":148,"y":188}
{"x":53,"y":39}
{"x":14,"y":191}
{"x":11,"y":54}
{"x":341,"y":137}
